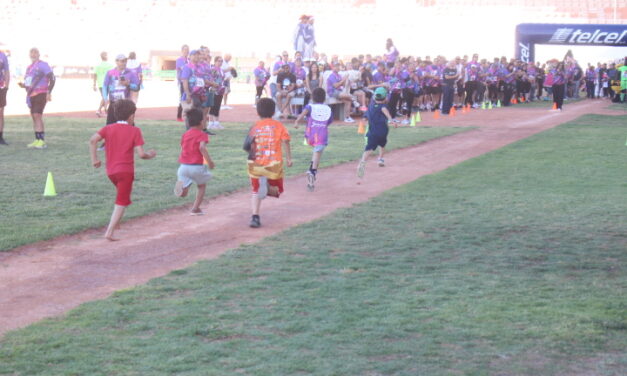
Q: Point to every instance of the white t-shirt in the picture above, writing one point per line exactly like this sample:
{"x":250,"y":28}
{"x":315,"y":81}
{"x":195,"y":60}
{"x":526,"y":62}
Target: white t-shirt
{"x":226,"y":68}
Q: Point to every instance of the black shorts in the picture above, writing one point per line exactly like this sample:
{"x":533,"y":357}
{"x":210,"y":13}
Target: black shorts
{"x":433,"y":90}
{"x":374,"y":141}
{"x":38,"y":103}
{"x":3,"y":97}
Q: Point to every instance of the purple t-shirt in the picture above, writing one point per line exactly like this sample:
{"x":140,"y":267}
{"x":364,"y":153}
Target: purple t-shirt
{"x":378,"y":78}
{"x":559,"y":78}
{"x":300,"y":73}
{"x":195,"y":74}
{"x":333,"y":79}
{"x":112,"y":87}
{"x":4,"y":67}
{"x":261,"y":76}
{"x":180,"y":63}
{"x":317,"y":131}
{"x":472,"y":71}
{"x":37,"y":74}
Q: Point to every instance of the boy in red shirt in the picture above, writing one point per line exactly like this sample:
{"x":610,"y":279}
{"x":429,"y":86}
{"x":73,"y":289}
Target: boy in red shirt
{"x":265,"y":156}
{"x":193,"y":154}
{"x":122,"y":139}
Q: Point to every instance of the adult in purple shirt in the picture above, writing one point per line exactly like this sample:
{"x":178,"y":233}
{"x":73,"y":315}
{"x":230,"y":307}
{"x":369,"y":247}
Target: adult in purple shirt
{"x":180,"y":63}
{"x":392,"y":53}
{"x":559,"y":83}
{"x":5,"y":78}
{"x":335,"y":89}
{"x":38,"y":82}
{"x":118,"y":84}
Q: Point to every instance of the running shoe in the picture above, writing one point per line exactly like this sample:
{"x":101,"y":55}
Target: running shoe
{"x":381,"y":162}
{"x":41,"y":145}
{"x":311,"y":180}
{"x":2,"y":141}
{"x":196,"y":212}
{"x":263,"y":188}
{"x":226,"y":108}
{"x":349,"y":120}
{"x":217,"y":125}
{"x":361,"y":170}
{"x":33,"y":144}
{"x":405,"y":122}
{"x":180,"y":120}
{"x":255,"y":221}
{"x":363,"y":108}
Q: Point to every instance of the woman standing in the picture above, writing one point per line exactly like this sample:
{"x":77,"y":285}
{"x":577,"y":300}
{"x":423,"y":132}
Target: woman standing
{"x":559,"y":81}
{"x":312,"y":81}
{"x":218,"y":78}
{"x":392,"y":53}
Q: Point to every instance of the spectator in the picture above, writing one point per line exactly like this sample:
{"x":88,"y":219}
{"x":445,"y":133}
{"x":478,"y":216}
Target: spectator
{"x":286,"y":85}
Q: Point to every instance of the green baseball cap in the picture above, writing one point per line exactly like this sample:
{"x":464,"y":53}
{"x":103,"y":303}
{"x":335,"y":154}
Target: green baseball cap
{"x":380,"y":93}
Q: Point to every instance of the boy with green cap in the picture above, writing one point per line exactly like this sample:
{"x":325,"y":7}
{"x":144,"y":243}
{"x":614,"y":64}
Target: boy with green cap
{"x":378,"y":116}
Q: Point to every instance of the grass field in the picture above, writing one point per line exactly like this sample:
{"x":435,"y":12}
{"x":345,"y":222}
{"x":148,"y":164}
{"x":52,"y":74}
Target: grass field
{"x":512,"y":263}
{"x":85,"y":195}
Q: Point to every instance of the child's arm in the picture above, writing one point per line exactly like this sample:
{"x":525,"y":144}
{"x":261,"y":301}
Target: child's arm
{"x":386,"y":112}
{"x":150,"y":154}
{"x":288,"y":152}
{"x":303,"y":113}
{"x":205,"y":154}
{"x":93,"y":145}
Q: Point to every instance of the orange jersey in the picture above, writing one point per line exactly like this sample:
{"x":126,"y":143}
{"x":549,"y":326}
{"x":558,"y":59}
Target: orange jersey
{"x":266,"y":154}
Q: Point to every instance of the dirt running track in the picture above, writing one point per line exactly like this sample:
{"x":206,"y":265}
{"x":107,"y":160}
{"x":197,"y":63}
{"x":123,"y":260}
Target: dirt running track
{"x":49,"y":278}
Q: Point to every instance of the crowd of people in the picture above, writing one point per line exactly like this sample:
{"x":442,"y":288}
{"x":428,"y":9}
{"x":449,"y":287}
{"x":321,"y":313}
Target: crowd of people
{"x":430,"y":84}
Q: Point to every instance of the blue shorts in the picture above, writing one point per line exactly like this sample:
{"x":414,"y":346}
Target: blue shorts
{"x":319,"y":148}
{"x":374,"y":141}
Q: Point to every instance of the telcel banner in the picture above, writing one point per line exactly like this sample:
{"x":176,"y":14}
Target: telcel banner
{"x":528,"y":35}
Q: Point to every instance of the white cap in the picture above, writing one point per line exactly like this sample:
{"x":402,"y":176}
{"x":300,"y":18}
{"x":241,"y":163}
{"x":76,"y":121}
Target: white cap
{"x":120,"y":57}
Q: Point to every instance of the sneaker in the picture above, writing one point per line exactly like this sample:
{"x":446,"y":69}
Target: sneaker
{"x":381,"y":162}
{"x":196,"y":212}
{"x":405,"y":122}
{"x":255,"y":221}
{"x":361,"y":170}
{"x":217,"y":125}
{"x":226,"y":108}
{"x":2,"y":141}
{"x":207,"y":131}
{"x":209,"y":124}
{"x":356,"y":104}
{"x":178,"y":188}
{"x":41,"y":145}
{"x":180,"y":120}
{"x":363,"y":108}
{"x":349,"y":120}
{"x":263,"y":188}
{"x":33,"y":144}
{"x":311,"y":179}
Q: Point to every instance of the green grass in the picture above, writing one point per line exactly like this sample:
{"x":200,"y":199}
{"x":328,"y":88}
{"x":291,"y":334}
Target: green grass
{"x":618,"y":106}
{"x":549,"y":103}
{"x":512,"y":263}
{"x":85,"y":195}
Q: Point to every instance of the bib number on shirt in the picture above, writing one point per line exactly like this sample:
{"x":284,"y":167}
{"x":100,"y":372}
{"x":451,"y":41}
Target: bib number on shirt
{"x":199,"y":82}
{"x":28,"y":81}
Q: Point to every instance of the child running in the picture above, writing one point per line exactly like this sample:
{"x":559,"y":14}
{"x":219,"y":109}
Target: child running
{"x":378,"y":117}
{"x":122,"y":139}
{"x":264,"y":143}
{"x":317,"y":131}
{"x":193,"y":154}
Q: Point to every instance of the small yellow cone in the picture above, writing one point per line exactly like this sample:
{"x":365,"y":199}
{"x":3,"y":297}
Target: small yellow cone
{"x":305,"y":141}
{"x":418,"y":119}
{"x":50,"y":191}
{"x":412,"y":122}
{"x":362,"y":128}
{"x":483,"y":105}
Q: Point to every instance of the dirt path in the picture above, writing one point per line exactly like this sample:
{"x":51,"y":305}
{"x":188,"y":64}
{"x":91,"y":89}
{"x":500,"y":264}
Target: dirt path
{"x":49,"y":278}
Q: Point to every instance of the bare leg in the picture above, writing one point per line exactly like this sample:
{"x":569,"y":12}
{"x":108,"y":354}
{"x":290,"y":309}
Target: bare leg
{"x":199,"y":196}
{"x":1,"y":119}
{"x":315,"y":159}
{"x":381,"y":152}
{"x":116,"y":217}
{"x":134,"y":96}
{"x":38,"y":122}
{"x":255,"y":204}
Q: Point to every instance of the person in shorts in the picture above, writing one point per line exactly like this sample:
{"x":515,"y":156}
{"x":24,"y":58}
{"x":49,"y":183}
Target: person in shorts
{"x":38,"y":82}
{"x":5,"y":78}
{"x":378,"y":116}
{"x":123,"y":140}
{"x":100,"y":71}
{"x":319,"y":118}
{"x":265,"y":143}
{"x":193,"y":154}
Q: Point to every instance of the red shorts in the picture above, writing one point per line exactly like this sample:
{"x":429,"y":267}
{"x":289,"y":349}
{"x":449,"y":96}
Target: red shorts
{"x":254,"y":182}
{"x":123,"y":182}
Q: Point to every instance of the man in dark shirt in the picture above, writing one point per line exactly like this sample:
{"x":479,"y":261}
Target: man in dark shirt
{"x":286,"y":83}
{"x":448,"y":85}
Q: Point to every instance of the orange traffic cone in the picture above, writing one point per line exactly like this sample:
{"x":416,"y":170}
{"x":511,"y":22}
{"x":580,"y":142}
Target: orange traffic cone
{"x":555,"y":105}
{"x":362,"y":127}
{"x":453,"y":111}
{"x":514,"y":101}
{"x":436,"y":114}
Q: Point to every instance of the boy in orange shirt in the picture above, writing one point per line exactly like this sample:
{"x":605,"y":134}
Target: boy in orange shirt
{"x":264,"y":144}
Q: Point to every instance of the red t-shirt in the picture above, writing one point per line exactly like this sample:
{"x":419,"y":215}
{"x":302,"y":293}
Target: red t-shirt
{"x":190,"y":146}
{"x":121,"y":139}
